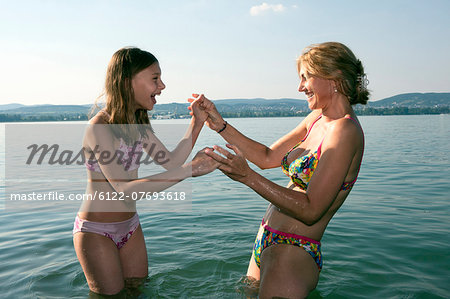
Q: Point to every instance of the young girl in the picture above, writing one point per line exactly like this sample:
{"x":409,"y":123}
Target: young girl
{"x":107,"y":235}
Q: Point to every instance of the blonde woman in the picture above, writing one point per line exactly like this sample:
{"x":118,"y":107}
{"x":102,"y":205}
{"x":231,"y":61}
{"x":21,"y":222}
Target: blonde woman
{"x":321,"y":158}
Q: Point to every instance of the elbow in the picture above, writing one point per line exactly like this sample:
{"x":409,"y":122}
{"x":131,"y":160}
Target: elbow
{"x":120,"y":188}
{"x":309,"y":215}
{"x":267,"y":164}
{"x":263,"y":166}
{"x":124,"y":187}
{"x":309,"y":220}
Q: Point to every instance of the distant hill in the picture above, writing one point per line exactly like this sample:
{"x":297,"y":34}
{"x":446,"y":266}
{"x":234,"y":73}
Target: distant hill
{"x":48,"y":109}
{"x":238,"y":105}
{"x":259,"y":105}
{"x":414,"y":100}
{"x":408,"y":103}
{"x":10,"y":106}
{"x":261,"y":101}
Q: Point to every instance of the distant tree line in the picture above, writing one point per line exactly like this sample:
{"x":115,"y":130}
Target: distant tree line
{"x":402,"y":110}
{"x":361,"y":110}
{"x":5,"y":117}
{"x":358,"y":111}
{"x":274,"y":113}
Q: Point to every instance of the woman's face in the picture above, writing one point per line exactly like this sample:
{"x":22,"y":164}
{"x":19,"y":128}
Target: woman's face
{"x":147,"y":84}
{"x":318,"y":91}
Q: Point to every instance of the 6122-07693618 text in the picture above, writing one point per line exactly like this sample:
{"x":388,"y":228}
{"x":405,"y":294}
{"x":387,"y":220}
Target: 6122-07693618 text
{"x":113,"y":196}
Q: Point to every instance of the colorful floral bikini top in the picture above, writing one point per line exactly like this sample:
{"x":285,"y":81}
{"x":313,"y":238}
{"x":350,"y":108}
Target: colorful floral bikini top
{"x":302,"y":169}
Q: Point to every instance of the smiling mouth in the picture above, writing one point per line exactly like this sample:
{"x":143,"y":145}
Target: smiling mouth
{"x":153,"y":98}
{"x":309,"y":94}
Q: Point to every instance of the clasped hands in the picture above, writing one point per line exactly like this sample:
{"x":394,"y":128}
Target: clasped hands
{"x":234,"y":165}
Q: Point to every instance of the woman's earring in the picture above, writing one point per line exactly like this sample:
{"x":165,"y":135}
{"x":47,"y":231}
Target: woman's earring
{"x":335,"y":89}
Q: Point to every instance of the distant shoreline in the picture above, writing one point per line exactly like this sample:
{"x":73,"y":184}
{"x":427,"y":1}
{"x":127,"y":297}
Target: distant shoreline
{"x":401,"y":104}
{"x":13,"y":117}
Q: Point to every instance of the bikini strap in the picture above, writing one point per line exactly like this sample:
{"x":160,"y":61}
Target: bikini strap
{"x":309,"y":130}
{"x":355,"y":121}
{"x":319,"y":149}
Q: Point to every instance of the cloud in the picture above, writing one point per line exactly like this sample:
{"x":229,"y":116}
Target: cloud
{"x":261,"y":9}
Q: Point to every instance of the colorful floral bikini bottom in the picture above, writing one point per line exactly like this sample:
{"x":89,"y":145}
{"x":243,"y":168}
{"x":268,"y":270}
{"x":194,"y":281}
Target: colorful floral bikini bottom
{"x":268,"y":236}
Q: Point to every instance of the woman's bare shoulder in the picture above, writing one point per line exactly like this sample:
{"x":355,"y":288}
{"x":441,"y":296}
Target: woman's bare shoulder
{"x":346,"y":129}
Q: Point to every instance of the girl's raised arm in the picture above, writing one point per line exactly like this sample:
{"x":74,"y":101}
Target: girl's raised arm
{"x":100,"y":140}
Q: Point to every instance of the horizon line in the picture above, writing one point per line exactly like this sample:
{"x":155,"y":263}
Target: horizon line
{"x":183,"y":102}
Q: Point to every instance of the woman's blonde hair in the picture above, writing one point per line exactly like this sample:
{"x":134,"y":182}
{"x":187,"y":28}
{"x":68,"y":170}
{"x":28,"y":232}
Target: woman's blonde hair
{"x":335,"y":61}
{"x":119,"y":95}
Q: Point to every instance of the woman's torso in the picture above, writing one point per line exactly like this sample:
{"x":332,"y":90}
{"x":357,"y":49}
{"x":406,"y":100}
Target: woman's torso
{"x":309,"y":149}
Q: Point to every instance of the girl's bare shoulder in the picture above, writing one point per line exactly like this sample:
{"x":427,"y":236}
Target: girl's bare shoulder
{"x":99,"y":119}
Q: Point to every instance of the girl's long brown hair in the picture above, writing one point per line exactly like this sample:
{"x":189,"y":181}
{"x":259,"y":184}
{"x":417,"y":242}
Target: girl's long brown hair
{"x":119,"y":95}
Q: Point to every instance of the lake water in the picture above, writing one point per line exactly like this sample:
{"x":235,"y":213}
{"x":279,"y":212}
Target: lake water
{"x":389,"y":240}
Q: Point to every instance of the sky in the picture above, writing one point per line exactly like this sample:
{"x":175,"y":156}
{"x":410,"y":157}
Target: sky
{"x":56,"y":52}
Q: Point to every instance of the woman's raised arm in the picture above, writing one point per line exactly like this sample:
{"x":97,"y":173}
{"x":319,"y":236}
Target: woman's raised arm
{"x":261,"y":155}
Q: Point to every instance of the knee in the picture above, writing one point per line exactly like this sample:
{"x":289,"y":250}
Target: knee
{"x":278,"y":285}
{"x":134,"y":282}
{"x":98,"y":289}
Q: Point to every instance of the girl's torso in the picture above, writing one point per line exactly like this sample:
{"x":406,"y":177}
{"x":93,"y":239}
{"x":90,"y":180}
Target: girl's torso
{"x":109,"y":205}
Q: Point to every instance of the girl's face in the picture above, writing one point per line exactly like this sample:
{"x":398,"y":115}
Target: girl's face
{"x":318,"y":91}
{"x":147,"y":84}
